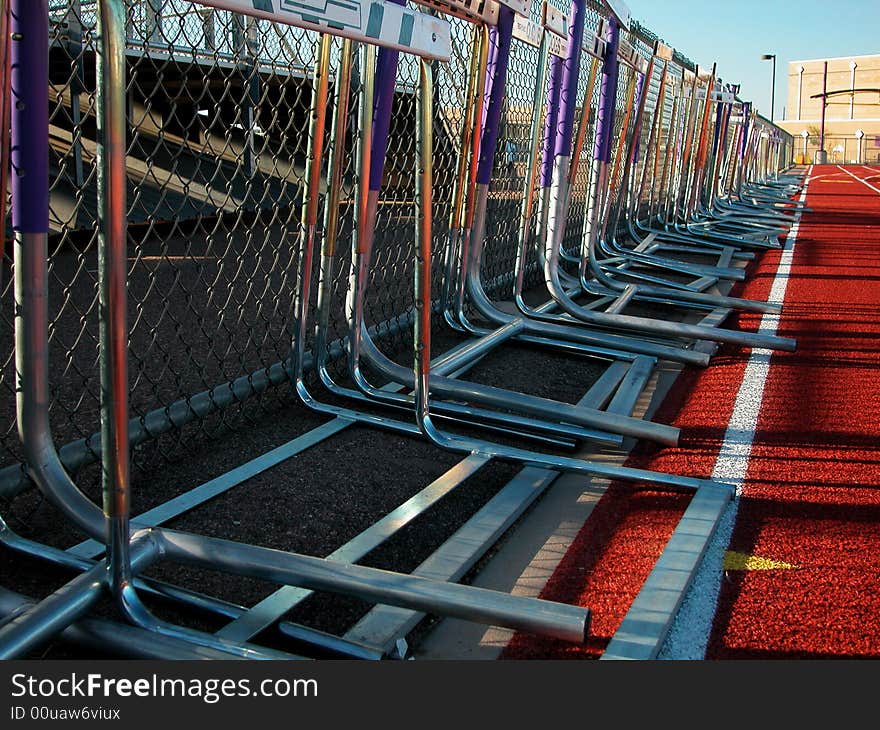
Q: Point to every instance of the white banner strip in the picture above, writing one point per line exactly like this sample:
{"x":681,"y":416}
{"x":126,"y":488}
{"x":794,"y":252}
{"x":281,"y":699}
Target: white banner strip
{"x":555,"y":20}
{"x":369,"y":21}
{"x":519,"y":6}
{"x":558,"y":46}
{"x":474,"y":11}
{"x":621,"y":12}
{"x":594,"y":45}
{"x":627,"y":54}
{"x":527,"y":31}
{"x":722,"y":97}
{"x":531,"y":33}
{"x":664,"y":52}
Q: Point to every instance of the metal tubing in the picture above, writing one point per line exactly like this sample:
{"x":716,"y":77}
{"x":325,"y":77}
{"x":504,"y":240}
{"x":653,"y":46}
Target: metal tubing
{"x":644,"y":325}
{"x":165,"y":591}
{"x":558,"y":620}
{"x":361,"y":250}
{"x":102,"y":635}
{"x":562,"y":621}
{"x":112,"y":293}
{"x":30,"y":218}
{"x":606,"y":239}
{"x":541,"y":407}
{"x":41,"y":621}
{"x":52,"y":615}
{"x":526,"y":225}
{"x":422,"y":367}
{"x":361,"y":255}
{"x":113,"y":330}
{"x":5,"y":111}
{"x":468,"y":158}
{"x":648,"y":291}
{"x":126,"y":557}
{"x":573,"y":331}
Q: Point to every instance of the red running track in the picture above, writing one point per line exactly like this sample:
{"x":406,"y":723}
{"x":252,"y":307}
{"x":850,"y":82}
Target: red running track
{"x":809,"y":512}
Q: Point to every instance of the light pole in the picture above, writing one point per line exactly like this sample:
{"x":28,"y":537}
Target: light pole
{"x":822,"y":159}
{"x":771,"y":57}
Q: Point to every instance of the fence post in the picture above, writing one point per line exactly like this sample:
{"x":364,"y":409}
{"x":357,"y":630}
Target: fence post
{"x":208,"y":17}
{"x":245,"y":45}
{"x":154,"y":21}
{"x":75,"y":49}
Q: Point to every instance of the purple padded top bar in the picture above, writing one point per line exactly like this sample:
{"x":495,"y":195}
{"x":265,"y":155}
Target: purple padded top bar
{"x":553,"y":89}
{"x":491,"y":58}
{"x":719,"y":120}
{"x":747,"y":110}
{"x":386,"y":73}
{"x":607,"y":96}
{"x":571,"y":72}
{"x":500,"y":50}
{"x":30,"y":116}
{"x":640,"y":89}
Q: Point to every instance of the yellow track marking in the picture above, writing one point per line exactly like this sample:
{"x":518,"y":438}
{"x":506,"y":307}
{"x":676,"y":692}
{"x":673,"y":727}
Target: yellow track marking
{"x":743,"y":561}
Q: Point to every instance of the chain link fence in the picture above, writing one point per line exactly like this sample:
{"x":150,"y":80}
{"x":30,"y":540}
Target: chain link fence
{"x":218,"y":110}
{"x":849,"y":150}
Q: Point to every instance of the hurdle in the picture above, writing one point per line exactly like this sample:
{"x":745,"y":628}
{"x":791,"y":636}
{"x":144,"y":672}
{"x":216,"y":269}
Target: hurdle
{"x":360,"y":342}
{"x":131,"y":546}
{"x":129,"y":554}
{"x":698,"y":164}
{"x":528,"y":328}
{"x":642,"y":250}
{"x":598,"y":219}
{"x":674,"y":228}
{"x":732,"y":220}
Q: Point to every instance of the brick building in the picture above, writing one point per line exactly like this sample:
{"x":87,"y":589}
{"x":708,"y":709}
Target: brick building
{"x":852,"y":111}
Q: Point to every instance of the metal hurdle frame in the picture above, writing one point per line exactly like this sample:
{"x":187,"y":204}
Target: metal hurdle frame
{"x":625,"y":213}
{"x":733,"y":220}
{"x":438,"y":382}
{"x":424,"y":382}
{"x":568,"y":334}
{"x":697,"y":181}
{"x":601,"y":212}
{"x":126,"y":558}
{"x":645,"y":250}
{"x":469,"y":211}
{"x":632,"y":258}
{"x":675,"y":227}
{"x":589,"y":419}
{"x":126,"y":554}
{"x":129,"y":554}
{"x":210,"y":400}
{"x":360,"y":344}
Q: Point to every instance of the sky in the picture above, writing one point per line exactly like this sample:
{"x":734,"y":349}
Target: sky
{"x":736,"y":33}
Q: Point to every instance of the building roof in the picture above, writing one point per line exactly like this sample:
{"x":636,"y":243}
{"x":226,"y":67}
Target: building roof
{"x":837,"y":58}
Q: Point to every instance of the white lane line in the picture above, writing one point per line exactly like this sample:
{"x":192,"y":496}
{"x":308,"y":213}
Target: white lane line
{"x":870,"y":169}
{"x":689,"y":634}
{"x":824,"y":176}
{"x":856,"y":177}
